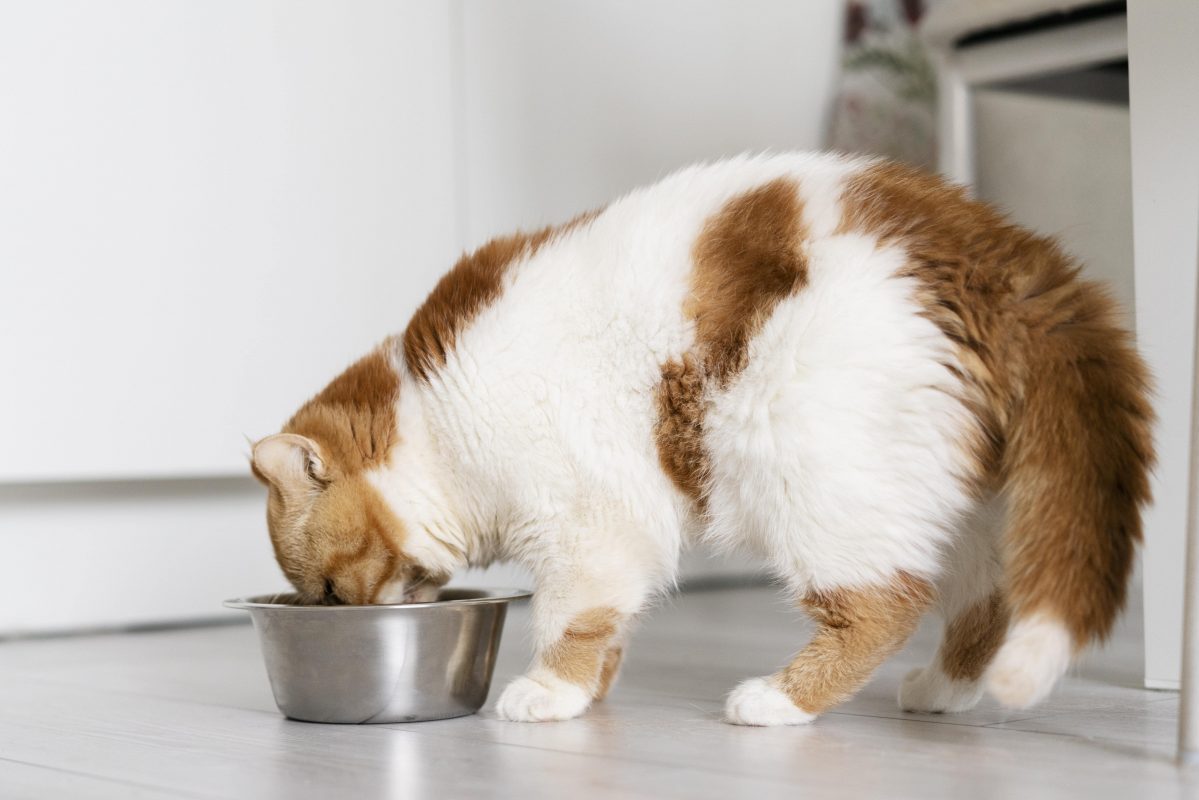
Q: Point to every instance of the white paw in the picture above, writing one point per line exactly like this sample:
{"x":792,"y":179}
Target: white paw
{"x":757,"y":702}
{"x":1035,"y":654}
{"x":932,"y":691}
{"x":528,"y":700}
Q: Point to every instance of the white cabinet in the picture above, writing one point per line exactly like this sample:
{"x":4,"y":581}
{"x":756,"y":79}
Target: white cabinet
{"x":1060,"y":165}
{"x":206,"y":210}
{"x":1163,"y":63}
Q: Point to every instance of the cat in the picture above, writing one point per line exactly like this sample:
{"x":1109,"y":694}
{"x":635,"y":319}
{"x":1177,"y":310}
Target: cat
{"x":897,"y":398}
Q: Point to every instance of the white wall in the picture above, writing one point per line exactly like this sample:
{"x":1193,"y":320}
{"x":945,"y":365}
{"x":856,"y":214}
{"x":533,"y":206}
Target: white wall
{"x":208,"y":208}
{"x":569,"y":103}
{"x":81,"y":555}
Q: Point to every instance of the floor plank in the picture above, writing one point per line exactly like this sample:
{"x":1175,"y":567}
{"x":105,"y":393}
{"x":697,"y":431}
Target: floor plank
{"x":189,"y":714}
{"x":20,"y":781}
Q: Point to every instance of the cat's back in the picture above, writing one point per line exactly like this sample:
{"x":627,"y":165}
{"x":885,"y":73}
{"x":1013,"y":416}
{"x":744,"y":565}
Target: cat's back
{"x":703,"y":241}
{"x":611,"y":287}
{"x":858,"y":327}
{"x":763,"y":318}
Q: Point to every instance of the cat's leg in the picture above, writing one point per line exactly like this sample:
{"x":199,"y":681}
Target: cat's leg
{"x":976,"y":617}
{"x":953,"y":682}
{"x":580,"y":620}
{"x":610,"y":669}
{"x":857,"y":629}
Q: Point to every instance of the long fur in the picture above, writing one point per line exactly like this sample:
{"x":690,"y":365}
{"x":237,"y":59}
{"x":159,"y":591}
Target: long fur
{"x":843,"y":365}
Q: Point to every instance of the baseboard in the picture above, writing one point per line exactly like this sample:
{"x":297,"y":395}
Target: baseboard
{"x":109,"y":554}
{"x":105,"y":555}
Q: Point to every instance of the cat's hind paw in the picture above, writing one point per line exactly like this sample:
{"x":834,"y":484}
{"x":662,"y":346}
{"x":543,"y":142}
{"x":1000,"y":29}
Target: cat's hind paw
{"x":758,"y":702}
{"x":1035,"y":654}
{"x":529,"y":700}
{"x":931,"y":691}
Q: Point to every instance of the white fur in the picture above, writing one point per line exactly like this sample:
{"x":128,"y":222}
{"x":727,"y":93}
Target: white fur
{"x":970,"y":574}
{"x":541,"y":698}
{"x":391,"y":593}
{"x":835,"y":453}
{"x":971,"y":569}
{"x":930,"y":690}
{"x":396,"y":592}
{"x":1035,"y":654}
{"x":758,"y":702}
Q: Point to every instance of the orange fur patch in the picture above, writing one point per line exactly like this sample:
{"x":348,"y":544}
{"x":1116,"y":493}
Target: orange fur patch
{"x":679,"y":432}
{"x":857,"y":630}
{"x":748,"y":258}
{"x":579,"y":656}
{"x":338,"y":533}
{"x":1059,"y":392}
{"x":358,"y":538}
{"x":353,"y":418}
{"x":474,"y":283}
{"x":350,"y":539}
{"x":973,"y":637}
{"x":609,"y":671}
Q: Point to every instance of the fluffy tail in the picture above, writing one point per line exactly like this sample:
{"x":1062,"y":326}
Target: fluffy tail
{"x":1075,"y":468}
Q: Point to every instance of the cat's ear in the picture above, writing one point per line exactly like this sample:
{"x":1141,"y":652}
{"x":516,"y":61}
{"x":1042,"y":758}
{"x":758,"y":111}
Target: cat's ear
{"x":288,"y":461}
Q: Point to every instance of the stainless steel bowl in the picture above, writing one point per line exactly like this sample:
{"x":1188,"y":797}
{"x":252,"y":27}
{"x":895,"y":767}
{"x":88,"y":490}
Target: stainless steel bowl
{"x":400,"y":663}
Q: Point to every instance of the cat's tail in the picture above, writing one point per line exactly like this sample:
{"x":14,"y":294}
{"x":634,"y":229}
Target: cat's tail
{"x":1075,"y":469}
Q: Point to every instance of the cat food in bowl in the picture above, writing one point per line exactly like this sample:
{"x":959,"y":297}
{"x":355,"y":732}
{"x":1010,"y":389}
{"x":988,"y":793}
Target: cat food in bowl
{"x":383,"y":663}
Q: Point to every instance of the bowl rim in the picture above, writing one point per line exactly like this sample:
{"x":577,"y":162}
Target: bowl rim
{"x":491,"y":595}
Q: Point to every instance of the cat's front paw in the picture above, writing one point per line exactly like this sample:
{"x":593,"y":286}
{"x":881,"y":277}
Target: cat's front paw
{"x":758,"y":702}
{"x":529,"y":700}
{"x":932,"y":691}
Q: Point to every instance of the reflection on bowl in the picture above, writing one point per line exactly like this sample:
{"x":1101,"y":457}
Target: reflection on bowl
{"x":398,"y":663}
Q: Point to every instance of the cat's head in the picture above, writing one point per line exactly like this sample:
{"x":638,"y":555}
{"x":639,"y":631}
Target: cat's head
{"x":337,"y":533}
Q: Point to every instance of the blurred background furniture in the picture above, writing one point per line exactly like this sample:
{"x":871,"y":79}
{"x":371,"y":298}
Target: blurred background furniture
{"x":1165,"y":177}
{"x":980,"y":43}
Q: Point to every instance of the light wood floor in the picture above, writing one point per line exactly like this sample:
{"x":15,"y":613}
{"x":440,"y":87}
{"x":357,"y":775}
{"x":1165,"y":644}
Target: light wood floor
{"x":188,"y":713}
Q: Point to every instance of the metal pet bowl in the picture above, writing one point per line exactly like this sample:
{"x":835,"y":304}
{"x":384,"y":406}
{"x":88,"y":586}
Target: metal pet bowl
{"x":396,"y":663}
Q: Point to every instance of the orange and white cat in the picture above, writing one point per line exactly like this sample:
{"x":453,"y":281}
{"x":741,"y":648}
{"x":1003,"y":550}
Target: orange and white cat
{"x":895,"y":397}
